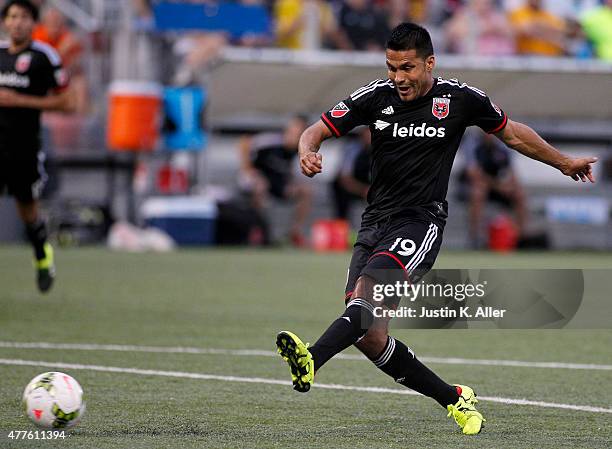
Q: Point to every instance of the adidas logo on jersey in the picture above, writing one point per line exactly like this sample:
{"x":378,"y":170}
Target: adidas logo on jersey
{"x":380,"y":125}
{"x":421,"y":130}
{"x":388,"y":110}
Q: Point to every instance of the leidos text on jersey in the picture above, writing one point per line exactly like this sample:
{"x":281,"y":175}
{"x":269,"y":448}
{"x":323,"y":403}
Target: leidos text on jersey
{"x":421,"y":130}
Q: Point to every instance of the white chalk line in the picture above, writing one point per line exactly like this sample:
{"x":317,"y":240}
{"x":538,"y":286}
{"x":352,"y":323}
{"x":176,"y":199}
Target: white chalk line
{"x":264,"y":353}
{"x":261,"y":380}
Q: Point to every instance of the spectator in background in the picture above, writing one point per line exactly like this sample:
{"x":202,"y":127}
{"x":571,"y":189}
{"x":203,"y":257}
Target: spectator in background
{"x":480,"y":28}
{"x":569,"y":9}
{"x":365,"y":27}
{"x":597,"y":26}
{"x":307,"y":24}
{"x":54,"y":31}
{"x":352,"y":182}
{"x":60,"y":131}
{"x":195,"y":51}
{"x":538,"y":32}
{"x":399,"y":11}
{"x":266,"y":169}
{"x":488,"y":176}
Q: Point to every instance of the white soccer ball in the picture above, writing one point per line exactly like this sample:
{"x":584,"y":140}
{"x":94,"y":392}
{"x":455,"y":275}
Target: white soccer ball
{"x":54,"y":401}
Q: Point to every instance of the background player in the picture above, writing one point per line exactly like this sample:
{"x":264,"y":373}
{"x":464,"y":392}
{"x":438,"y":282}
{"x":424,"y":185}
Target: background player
{"x":31,"y":80}
{"x":489,"y":176}
{"x":266,"y":168}
{"x":352,"y":181}
{"x":416,"y":123}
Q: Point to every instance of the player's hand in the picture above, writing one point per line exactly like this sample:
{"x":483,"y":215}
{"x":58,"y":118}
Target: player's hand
{"x":579,"y":169}
{"x":8,"y":98}
{"x":311,"y":164}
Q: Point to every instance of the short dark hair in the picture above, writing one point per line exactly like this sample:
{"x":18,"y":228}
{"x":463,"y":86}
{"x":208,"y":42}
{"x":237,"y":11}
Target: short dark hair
{"x":410,"y":36}
{"x":25,"y":4}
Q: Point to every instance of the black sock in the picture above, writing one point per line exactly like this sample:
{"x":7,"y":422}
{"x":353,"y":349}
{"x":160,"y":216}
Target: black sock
{"x":37,"y":235}
{"x":398,"y":361}
{"x":344,"y":332}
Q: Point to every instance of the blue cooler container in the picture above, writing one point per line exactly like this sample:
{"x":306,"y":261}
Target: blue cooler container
{"x":189,"y":220}
{"x":184,"y":107}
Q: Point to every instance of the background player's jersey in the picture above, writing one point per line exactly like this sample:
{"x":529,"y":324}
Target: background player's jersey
{"x":413,"y":142}
{"x":33,"y":71}
{"x":356,"y":163}
{"x":491,"y":156}
{"x":271,"y":158}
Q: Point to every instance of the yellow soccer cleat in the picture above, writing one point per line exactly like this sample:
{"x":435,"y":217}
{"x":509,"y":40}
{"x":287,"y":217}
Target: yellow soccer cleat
{"x":45,"y":269}
{"x":464,"y":411}
{"x":299,"y":358}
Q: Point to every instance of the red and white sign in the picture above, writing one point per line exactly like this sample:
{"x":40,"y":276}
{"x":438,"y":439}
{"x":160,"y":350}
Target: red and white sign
{"x":340,"y":110}
{"x":440,"y":107}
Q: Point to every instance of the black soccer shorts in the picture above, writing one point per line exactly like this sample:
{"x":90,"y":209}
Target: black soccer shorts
{"x":22,"y":174}
{"x":397,"y":249}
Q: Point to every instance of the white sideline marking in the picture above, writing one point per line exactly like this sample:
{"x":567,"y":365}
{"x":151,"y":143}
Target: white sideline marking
{"x":264,"y":353}
{"x":261,"y":380}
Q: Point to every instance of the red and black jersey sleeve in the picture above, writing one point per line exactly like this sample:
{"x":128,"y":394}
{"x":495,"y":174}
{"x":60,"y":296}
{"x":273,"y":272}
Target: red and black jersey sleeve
{"x":58,"y":78}
{"x":54,"y":76}
{"x":343,"y":117}
{"x":355,"y":110}
{"x":482,"y":112}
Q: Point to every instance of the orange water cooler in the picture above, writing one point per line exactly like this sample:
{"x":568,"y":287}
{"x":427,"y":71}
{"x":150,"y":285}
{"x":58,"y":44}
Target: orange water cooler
{"x":134,"y":115}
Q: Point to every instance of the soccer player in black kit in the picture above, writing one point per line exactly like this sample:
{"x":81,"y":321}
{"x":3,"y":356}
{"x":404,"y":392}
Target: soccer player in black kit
{"x":31,"y":80}
{"x":416,"y":122}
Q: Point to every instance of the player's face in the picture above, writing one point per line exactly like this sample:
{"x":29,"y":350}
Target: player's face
{"x":410,"y":73}
{"x":19,"y":24}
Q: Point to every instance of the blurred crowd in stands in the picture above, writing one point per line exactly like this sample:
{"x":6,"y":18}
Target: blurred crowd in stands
{"x":578,"y":28}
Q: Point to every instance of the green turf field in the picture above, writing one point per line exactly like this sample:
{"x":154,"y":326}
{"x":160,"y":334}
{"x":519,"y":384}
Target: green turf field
{"x":238,"y":300}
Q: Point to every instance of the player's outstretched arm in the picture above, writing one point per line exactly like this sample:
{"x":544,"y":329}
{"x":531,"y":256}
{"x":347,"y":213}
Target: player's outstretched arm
{"x":311,"y":162}
{"x":526,"y":141}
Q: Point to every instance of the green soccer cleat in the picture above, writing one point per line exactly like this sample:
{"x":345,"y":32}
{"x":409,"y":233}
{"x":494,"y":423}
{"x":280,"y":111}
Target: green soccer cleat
{"x":464,"y":411}
{"x":299,"y":358}
{"x":45,"y":270}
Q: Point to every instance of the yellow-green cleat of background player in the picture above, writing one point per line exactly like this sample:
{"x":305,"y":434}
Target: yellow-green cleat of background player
{"x":464,"y":411}
{"x":299,"y":358}
{"x":45,"y":269}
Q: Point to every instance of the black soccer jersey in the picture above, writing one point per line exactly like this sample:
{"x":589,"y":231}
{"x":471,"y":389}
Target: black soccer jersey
{"x":413,"y":142}
{"x":271,"y":158}
{"x":33,"y":71}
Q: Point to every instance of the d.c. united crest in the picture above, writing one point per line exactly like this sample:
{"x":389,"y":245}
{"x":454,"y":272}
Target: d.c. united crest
{"x":23,"y":62}
{"x":440,"y":107}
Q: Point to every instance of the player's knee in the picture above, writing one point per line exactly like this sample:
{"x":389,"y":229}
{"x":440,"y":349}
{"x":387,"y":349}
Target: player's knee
{"x":373,"y":342}
{"x":364,"y":288}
